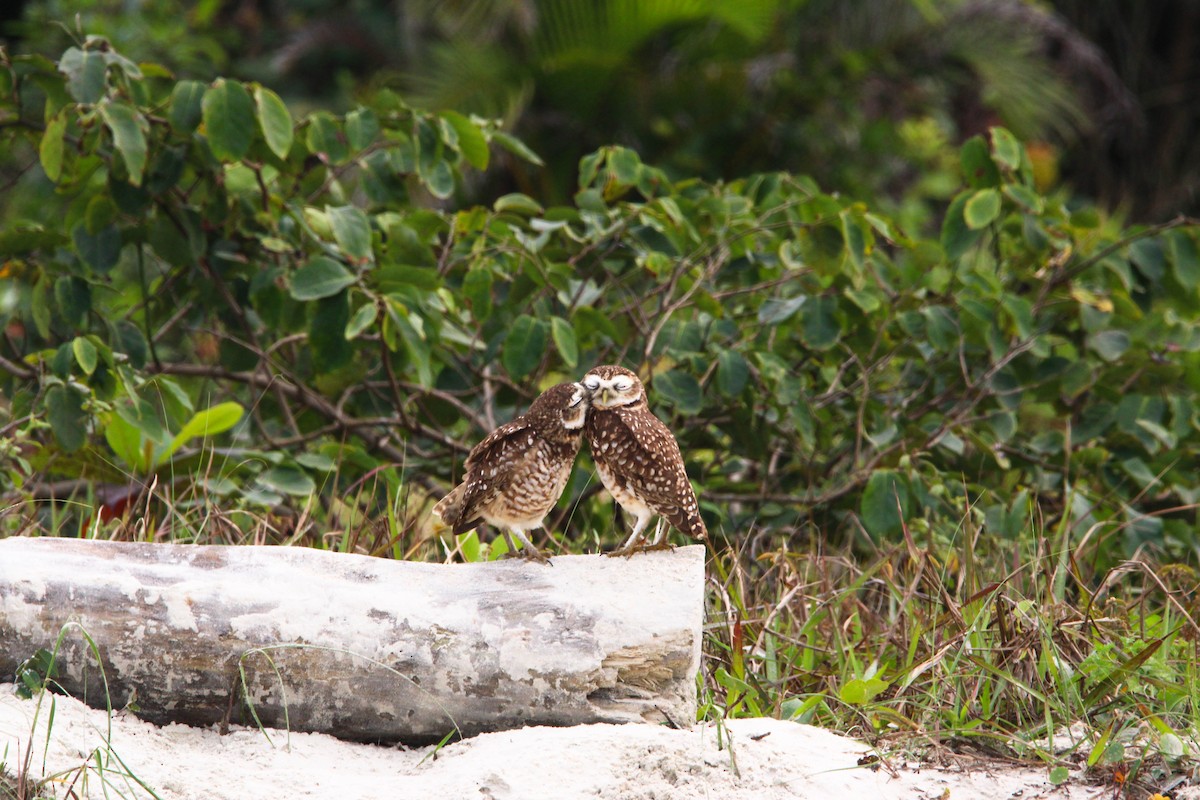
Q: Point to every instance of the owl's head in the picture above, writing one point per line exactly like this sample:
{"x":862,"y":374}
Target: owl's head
{"x":611,"y":387}
{"x":563,"y":406}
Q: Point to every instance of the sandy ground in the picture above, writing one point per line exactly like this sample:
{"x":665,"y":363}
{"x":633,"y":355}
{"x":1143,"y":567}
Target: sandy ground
{"x":632,"y":762}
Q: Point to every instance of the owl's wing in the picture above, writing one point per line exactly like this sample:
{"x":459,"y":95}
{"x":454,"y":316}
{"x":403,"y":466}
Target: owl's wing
{"x":656,"y":465}
{"x":491,"y":467}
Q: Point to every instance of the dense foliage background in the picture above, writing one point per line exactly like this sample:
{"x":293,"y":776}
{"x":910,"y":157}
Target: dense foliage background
{"x":873,"y":316}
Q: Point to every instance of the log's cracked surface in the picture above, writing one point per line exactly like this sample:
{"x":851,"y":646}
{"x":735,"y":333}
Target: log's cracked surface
{"x":361,"y":648}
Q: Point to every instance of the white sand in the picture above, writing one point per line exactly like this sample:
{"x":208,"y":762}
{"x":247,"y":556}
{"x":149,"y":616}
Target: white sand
{"x":626,"y":762}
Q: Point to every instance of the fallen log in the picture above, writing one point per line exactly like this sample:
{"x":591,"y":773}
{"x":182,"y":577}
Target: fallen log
{"x":365,"y":649}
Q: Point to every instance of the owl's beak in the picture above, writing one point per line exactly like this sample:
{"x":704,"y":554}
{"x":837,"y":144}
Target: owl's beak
{"x":604,"y":396}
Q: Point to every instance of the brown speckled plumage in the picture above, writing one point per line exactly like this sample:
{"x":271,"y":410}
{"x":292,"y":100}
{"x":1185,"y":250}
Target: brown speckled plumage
{"x":637,"y":457}
{"x":516,"y":475}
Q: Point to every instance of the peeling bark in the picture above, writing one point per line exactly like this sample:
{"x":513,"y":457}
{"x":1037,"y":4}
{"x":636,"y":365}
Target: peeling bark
{"x":361,"y":648}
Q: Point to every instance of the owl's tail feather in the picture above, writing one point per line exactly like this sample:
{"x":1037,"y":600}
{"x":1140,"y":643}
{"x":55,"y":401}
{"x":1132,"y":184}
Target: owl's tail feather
{"x":689,"y":522}
{"x":450,"y":507}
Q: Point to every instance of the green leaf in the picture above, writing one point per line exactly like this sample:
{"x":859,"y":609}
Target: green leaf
{"x":64,"y":411}
{"x":362,"y":126}
{"x":209,"y":422}
{"x":733,"y":371}
{"x":85,"y":354}
{"x":977,"y":165}
{"x":127,"y":442}
{"x":74,"y":298}
{"x":1059,"y":775}
{"x":320,"y":277}
{"x":857,"y":691}
{"x":288,"y":480}
{"x":440,"y":180}
{"x":362,"y":319}
{"x":477,"y":288}
{"x":325,"y":138}
{"x":1006,"y":148}
{"x":471,"y":142}
{"x":86,"y":74}
{"x":681,"y":390}
{"x":982,"y":209}
{"x":414,"y":343}
{"x":956,"y":237}
{"x":878,"y":508}
{"x":1149,"y":256}
{"x":1185,"y":261}
{"x":129,"y":136}
{"x":229,"y":119}
{"x":776,"y":310}
{"x":820,"y":328}
{"x":517,"y":204}
{"x":1110,"y":345}
{"x":184,"y":112}
{"x":101,"y":251}
{"x":50,"y":150}
{"x":517,"y":147}
{"x":564,"y":341}
{"x":275,"y":119}
{"x":326,"y":332}
{"x":352,"y":232}
{"x":524,"y":346}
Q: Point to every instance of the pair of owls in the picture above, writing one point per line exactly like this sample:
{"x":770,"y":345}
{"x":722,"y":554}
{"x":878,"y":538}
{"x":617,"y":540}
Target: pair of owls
{"x":516,"y":475}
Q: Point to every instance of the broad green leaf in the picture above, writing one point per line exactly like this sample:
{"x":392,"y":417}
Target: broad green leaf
{"x":129,"y":136}
{"x":100,"y":251}
{"x":209,"y":422}
{"x":477,"y":288}
{"x":64,"y":412}
{"x":1111,"y":345}
{"x":624,"y":164}
{"x":881,"y":515}
{"x":1006,"y":148}
{"x":362,"y":319}
{"x":733,"y":370}
{"x":275,"y":119}
{"x":524,"y":346}
{"x":85,"y":354}
{"x":416,"y":348}
{"x":957,"y":237}
{"x":1059,"y":775}
{"x":977,"y":165}
{"x":1149,"y":256}
{"x":471,"y":142}
{"x":858,"y":691}
{"x":440,"y":180}
{"x":820,"y":328}
{"x":681,"y":390}
{"x":127,"y":442}
{"x":564,"y":341}
{"x":326,"y":139}
{"x":74,"y":298}
{"x":352,"y":232}
{"x":982,"y":209}
{"x":518,"y":204}
{"x":1185,"y":261}
{"x":362,"y":126}
{"x":517,"y":147}
{"x":229,"y":119}
{"x":86,"y":74}
{"x":184,"y":112}
{"x":50,"y":151}
{"x":320,"y":277}
{"x":288,"y":480}
{"x":775,"y":310}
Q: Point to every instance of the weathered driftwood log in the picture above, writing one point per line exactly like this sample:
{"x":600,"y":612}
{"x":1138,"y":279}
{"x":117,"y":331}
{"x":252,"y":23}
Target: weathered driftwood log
{"x":362,"y":648}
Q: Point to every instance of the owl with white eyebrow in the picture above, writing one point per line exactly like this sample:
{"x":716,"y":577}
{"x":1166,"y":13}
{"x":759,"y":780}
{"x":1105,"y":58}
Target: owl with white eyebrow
{"x":638,"y":460}
{"x":516,"y":475}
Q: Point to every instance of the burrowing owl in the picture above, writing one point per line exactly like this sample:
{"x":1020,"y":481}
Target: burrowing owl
{"x":638,"y":458}
{"x":516,"y":475}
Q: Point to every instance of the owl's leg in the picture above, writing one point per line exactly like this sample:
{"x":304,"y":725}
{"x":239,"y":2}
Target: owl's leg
{"x":529,"y":550}
{"x":634,"y":542}
{"x":660,"y":534}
